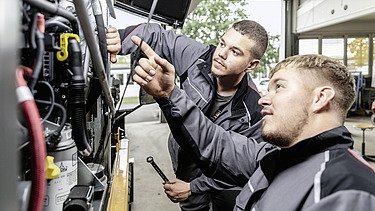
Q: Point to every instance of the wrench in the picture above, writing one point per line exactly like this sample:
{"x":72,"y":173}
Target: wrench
{"x":150,"y":160}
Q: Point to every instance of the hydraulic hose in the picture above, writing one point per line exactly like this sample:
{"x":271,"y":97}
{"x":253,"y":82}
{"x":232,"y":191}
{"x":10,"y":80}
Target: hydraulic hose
{"x":77,"y":98}
{"x":94,"y":52}
{"x":101,"y":32}
{"x":38,"y":145}
{"x":55,"y":9}
{"x":54,"y":138}
{"x":95,"y":90}
{"x":51,"y":103}
{"x":40,"y":28}
{"x":33,"y":30}
{"x":54,"y":23}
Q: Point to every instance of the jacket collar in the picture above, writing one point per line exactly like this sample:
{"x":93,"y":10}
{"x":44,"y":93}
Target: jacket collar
{"x":243,"y":88}
{"x":279,"y":160}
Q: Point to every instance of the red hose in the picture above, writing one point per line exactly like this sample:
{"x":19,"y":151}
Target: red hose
{"x":37,"y":141}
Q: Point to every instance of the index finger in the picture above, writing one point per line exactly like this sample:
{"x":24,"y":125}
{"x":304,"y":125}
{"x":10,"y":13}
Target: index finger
{"x":145,"y":48}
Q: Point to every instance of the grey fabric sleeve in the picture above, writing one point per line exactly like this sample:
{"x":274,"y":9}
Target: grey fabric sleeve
{"x":179,"y":50}
{"x":222,"y":155}
{"x":346,"y":200}
{"x":203,"y":184}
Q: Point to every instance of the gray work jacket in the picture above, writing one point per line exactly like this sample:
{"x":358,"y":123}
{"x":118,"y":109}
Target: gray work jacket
{"x":192,"y":61}
{"x":319,"y":173}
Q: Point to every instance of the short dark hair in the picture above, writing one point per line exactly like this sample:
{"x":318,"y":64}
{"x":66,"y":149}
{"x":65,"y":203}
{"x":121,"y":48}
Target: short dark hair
{"x":255,"y":32}
{"x":323,"y":70}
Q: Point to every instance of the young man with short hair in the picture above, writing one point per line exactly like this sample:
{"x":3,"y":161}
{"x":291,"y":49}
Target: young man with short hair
{"x":308,"y":162}
{"x":217,"y":80}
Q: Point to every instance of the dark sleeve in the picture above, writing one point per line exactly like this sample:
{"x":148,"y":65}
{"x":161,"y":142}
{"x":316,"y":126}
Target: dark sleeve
{"x":203,"y":184}
{"x":125,"y":32}
{"x":222,"y":155}
{"x":178,"y":49}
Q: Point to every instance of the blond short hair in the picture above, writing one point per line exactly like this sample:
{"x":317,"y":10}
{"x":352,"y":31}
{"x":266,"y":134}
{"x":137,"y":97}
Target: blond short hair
{"x":323,"y":70}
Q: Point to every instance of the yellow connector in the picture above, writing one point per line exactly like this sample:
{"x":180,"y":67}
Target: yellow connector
{"x":63,"y":54}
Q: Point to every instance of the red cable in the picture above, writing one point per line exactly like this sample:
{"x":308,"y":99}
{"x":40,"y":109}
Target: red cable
{"x":37,"y":141}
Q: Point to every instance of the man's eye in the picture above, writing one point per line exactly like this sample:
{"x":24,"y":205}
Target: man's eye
{"x":235,"y":53}
{"x":221,"y":44}
{"x":278,"y":86}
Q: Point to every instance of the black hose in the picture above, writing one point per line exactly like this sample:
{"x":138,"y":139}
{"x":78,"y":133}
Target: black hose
{"x":77,"y":98}
{"x":94,"y":92}
{"x":102,"y":40}
{"x":52,"y":102}
{"x":102,"y":141}
{"x":100,"y":27}
{"x":94,"y":52}
{"x":54,"y":9}
{"x":37,"y":69}
{"x":54,"y":138}
{"x":95,"y":89}
{"x":62,"y":26}
{"x":32,"y":31}
{"x":63,"y":114}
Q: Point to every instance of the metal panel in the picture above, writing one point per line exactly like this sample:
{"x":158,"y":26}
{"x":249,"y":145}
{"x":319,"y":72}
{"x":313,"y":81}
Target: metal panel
{"x":9,"y":26}
{"x":170,"y":14}
{"x":119,"y":197}
{"x":333,"y":16}
{"x":290,"y":38}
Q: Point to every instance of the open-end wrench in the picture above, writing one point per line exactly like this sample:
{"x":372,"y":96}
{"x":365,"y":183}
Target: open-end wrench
{"x":150,"y":160}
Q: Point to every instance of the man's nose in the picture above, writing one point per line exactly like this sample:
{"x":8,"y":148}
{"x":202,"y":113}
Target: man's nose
{"x":265,"y":100}
{"x":223,"y":53}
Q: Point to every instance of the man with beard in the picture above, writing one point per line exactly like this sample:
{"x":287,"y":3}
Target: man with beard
{"x":308,"y":163}
{"x":217,"y":80}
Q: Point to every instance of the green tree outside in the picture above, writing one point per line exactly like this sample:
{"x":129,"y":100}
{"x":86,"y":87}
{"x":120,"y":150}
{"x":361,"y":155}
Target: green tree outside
{"x":212,"y":18}
{"x":359,"y":47}
{"x":271,"y":57}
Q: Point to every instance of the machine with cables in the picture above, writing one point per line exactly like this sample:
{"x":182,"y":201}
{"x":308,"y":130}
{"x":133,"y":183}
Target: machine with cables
{"x":67,"y":107}
{"x":72,"y":153}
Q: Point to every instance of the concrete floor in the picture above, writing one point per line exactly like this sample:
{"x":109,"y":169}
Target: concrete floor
{"x":150,"y":139}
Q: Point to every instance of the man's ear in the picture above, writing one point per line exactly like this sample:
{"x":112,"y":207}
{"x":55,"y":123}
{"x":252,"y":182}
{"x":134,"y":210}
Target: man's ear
{"x":252,"y":65}
{"x":322,"y":98}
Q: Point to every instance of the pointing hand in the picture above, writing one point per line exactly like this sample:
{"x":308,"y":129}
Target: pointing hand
{"x":154,"y":74}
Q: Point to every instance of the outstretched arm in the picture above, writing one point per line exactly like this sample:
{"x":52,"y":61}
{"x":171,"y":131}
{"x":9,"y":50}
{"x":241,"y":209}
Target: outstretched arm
{"x":220,"y":154}
{"x":178,"y":49}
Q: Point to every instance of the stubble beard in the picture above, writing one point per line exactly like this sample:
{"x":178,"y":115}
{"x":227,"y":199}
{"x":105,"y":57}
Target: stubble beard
{"x":286,"y":134}
{"x":215,"y":75}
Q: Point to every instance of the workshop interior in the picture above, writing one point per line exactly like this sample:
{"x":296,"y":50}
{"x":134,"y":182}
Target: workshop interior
{"x":68,"y":127}
{"x":63,"y":136}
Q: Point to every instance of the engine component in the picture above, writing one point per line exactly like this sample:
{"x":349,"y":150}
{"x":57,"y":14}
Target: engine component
{"x":65,"y":154}
{"x":80,"y":199}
